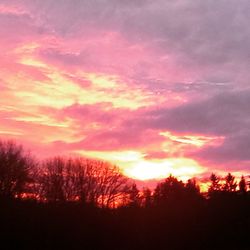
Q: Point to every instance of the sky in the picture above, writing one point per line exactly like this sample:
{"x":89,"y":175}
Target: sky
{"x":157,"y":87}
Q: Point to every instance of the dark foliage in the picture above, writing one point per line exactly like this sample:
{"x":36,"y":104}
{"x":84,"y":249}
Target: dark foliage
{"x":202,"y":224}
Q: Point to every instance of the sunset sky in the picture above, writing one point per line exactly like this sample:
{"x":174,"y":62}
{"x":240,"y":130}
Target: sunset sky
{"x":154,"y":86}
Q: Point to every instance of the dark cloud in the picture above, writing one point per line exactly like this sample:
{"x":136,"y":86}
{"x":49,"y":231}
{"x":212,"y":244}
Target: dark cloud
{"x":222,"y":114}
{"x":235,"y":148}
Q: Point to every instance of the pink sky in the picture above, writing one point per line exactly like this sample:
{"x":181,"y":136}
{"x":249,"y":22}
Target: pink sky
{"x":157,"y":87}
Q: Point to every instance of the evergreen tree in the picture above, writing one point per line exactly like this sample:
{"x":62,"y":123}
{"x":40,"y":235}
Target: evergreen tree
{"x":242,"y":185}
{"x":230,"y":183}
{"x":215,"y":185}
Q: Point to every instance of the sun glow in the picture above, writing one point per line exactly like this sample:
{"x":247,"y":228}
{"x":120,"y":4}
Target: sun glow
{"x":180,"y":167}
{"x":133,"y":165}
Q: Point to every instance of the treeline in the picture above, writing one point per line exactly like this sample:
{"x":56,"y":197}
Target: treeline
{"x":94,"y":182}
{"x":77,"y":203}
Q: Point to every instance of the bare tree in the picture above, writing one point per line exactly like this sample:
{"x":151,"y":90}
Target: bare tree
{"x":15,"y":169}
{"x":88,"y":181}
{"x":51,"y":179}
{"x":105,"y":185}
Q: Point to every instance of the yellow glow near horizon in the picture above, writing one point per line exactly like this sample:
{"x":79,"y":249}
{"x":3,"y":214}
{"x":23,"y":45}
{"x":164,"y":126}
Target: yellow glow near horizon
{"x":180,"y":167}
{"x":135,"y":166}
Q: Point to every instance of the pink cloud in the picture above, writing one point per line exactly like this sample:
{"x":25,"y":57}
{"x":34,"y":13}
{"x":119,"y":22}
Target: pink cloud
{"x":114,"y":75}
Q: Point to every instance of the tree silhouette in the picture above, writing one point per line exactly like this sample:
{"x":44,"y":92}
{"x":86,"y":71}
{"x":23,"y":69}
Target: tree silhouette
{"x":230,"y":184}
{"x":15,"y":169}
{"x":146,"y":197}
{"x":134,"y":196}
{"x":52,"y":180}
{"x":192,"y":189}
{"x":242,"y":185}
{"x":215,"y":186}
{"x":104,"y":184}
{"x":192,"y":186}
{"x":89,"y":181}
{"x":168,"y":191}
